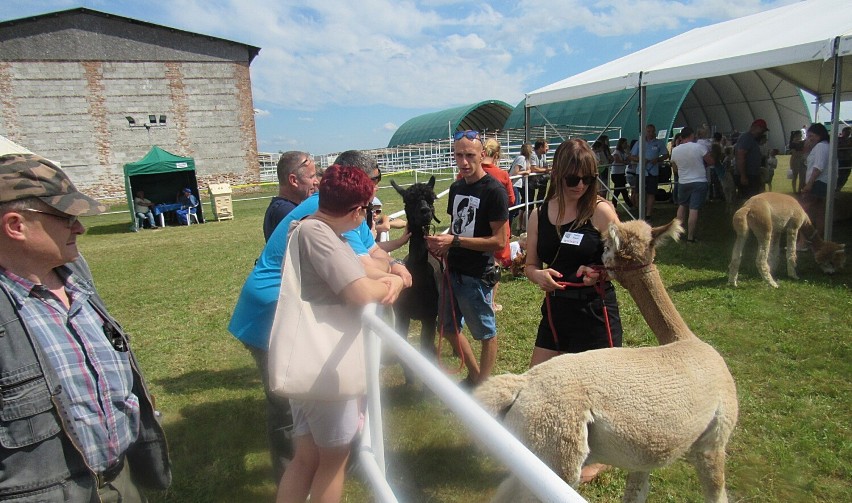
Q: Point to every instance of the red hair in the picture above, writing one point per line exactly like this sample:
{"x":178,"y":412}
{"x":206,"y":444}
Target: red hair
{"x":344,"y":188}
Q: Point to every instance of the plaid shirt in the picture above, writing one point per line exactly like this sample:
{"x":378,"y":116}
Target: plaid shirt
{"x":96,"y":378}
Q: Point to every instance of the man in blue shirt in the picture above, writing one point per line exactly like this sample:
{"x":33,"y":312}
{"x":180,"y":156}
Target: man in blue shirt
{"x":254,"y":312}
{"x":297,"y":179}
{"x":655,"y":153}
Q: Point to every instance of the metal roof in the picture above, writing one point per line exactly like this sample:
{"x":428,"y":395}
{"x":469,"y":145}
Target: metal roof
{"x":488,"y":115}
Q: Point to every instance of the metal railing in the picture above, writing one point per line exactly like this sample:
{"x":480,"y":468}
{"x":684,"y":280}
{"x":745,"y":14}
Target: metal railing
{"x":531,"y":471}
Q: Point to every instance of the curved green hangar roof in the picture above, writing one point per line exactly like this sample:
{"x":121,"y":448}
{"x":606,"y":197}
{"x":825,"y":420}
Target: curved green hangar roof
{"x":483,"y":116}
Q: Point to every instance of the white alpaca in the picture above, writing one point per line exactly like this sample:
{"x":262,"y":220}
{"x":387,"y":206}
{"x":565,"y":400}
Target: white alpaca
{"x":768,"y":215}
{"x":635,"y":408}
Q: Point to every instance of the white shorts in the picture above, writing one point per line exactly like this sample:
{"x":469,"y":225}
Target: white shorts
{"x":331,"y":424}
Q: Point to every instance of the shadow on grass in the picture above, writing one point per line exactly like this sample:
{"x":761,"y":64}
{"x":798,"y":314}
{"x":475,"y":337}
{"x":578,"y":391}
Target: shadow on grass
{"x":97,"y":230}
{"x":219,"y":453}
{"x":203,"y":380}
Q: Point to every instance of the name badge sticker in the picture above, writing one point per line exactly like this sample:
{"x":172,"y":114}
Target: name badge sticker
{"x":572,"y":238}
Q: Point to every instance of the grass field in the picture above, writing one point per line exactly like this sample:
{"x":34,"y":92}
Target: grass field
{"x":788,"y":349}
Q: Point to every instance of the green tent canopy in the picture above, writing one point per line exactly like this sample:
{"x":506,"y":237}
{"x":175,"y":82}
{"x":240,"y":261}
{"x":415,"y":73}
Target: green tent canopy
{"x":162,"y":175}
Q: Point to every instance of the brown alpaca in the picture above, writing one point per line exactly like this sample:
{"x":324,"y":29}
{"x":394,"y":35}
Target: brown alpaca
{"x":769,"y":214}
{"x":635,"y":408}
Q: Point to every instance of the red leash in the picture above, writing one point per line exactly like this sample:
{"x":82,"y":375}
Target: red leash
{"x":446,"y":287}
{"x":599,"y":288}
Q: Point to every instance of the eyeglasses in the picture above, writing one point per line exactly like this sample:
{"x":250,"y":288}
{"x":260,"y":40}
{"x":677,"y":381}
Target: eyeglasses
{"x":469,"y":134}
{"x":70,"y":220}
{"x":573,"y":181}
{"x":365,"y":207}
{"x":377,"y":178}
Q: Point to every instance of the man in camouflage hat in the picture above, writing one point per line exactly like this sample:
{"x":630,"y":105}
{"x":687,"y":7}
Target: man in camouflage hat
{"x":77,"y":419}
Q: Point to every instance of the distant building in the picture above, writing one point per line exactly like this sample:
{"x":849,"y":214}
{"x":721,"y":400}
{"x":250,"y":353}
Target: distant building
{"x":94,"y":91}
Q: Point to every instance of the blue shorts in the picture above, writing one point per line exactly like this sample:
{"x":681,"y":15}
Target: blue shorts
{"x":471,"y":303}
{"x":692,"y":194}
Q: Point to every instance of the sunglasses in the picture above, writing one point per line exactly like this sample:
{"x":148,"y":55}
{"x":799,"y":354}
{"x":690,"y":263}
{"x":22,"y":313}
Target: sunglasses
{"x":365,"y":207}
{"x":70,"y":220}
{"x":377,"y":211}
{"x":377,"y":178}
{"x":573,"y":181}
{"x":469,"y":134}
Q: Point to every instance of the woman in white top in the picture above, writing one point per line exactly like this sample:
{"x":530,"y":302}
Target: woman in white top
{"x":816,"y":177}
{"x":620,"y":160}
{"x":520,"y":166}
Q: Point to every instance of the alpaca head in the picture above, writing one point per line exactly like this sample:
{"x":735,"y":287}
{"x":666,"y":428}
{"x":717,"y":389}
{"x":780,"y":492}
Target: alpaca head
{"x":830,"y":256}
{"x":633,"y":244}
{"x":419,"y":200}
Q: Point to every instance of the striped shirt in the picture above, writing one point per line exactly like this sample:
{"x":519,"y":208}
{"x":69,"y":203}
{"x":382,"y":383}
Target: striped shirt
{"x":96,"y":379}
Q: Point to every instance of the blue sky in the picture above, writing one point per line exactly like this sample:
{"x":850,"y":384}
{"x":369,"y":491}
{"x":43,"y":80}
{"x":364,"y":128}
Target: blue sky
{"x":339,"y":74}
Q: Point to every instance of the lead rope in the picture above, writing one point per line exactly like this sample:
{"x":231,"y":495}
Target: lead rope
{"x":601,"y":291}
{"x":445,"y":287}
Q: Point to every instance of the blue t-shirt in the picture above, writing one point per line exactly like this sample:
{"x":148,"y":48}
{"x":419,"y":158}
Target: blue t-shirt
{"x":653,"y":149}
{"x":251,"y":322}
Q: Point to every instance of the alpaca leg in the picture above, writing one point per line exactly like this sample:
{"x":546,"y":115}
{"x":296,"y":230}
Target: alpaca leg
{"x":775,"y":238}
{"x":636,"y":489}
{"x":792,"y":235}
{"x":710,"y":466}
{"x":402,"y":325}
{"x":762,"y":262}
{"x":736,"y":257}
{"x":428,"y":329}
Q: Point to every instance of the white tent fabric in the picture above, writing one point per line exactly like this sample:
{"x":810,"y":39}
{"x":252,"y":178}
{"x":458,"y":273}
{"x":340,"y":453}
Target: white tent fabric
{"x":794,"y":42}
{"x":7,"y":146}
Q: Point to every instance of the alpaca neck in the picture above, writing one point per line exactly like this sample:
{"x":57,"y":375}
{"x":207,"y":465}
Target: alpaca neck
{"x":647,"y":290}
{"x":417,"y":248}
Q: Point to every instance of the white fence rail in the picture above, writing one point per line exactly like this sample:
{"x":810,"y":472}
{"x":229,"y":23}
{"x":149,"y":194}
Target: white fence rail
{"x":532,"y":472}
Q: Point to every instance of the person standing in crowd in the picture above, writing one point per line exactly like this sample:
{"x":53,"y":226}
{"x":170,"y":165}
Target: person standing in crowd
{"x":142,"y":207}
{"x":479,"y":207}
{"x":297,"y":179}
{"x":520,"y":167}
{"x":796,"y":148}
{"x":565,"y":234}
{"x":78,"y":423}
{"x":490,"y":160}
{"x":538,"y":166}
{"x":771,"y":165}
{"x":251,"y":321}
{"x":620,"y":159}
{"x":844,"y":156}
{"x":690,"y":159}
{"x":331,"y":274}
{"x":750,"y":159}
{"x":815,"y":190}
{"x":655,"y":153}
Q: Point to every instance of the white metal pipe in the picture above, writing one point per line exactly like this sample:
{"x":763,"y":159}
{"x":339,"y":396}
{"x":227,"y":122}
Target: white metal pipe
{"x":532,"y":472}
{"x":373,"y":355}
{"x":382,"y":492}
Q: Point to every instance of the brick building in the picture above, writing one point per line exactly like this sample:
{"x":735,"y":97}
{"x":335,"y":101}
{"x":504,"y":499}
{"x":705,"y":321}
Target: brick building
{"x":95,"y":91}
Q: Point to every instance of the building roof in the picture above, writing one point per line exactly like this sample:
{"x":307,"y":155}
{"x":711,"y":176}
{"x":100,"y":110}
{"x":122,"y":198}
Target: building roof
{"x":63,"y":18}
{"x":487,"y":115}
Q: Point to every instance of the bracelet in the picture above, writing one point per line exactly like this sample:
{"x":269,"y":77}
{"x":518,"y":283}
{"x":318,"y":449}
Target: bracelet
{"x":397,"y":261}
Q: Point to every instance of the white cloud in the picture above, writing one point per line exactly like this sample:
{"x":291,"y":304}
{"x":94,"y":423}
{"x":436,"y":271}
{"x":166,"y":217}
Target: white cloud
{"x":305,"y":119}
{"x":389,"y":126}
{"x":258,"y":112}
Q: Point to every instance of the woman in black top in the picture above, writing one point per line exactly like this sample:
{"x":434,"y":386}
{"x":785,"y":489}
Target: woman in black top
{"x":565,"y":234}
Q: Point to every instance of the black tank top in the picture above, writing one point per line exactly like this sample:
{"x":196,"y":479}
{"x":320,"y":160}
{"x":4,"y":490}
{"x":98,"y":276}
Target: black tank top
{"x":568,"y":251}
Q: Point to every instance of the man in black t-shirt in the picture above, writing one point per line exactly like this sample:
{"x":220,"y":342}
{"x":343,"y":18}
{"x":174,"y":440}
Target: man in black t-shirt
{"x":479,"y":207}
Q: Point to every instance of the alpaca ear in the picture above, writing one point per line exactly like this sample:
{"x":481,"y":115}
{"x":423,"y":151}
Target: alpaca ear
{"x":431,"y":183}
{"x":671,"y":230}
{"x":614,"y":236}
{"x":398,"y":189}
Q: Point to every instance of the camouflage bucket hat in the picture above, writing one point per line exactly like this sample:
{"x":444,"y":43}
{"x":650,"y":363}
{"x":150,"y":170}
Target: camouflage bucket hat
{"x":30,"y":175}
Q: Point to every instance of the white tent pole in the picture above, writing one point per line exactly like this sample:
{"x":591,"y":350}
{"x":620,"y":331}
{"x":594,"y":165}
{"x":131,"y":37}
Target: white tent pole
{"x":832,"y":152}
{"x":643,"y":118}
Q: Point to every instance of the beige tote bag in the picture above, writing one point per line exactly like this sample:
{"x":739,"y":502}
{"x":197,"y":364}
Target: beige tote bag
{"x":316,"y":352}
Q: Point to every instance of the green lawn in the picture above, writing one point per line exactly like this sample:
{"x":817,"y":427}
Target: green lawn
{"x":788,"y":349}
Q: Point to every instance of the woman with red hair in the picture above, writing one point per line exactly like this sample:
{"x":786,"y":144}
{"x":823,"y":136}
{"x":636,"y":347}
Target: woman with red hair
{"x":331,"y":274}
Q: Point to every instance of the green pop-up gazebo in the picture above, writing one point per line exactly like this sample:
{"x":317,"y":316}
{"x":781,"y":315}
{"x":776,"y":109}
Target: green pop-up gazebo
{"x":162,"y":175}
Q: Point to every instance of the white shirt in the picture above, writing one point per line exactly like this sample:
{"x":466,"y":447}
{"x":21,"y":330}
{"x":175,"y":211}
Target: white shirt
{"x":818,"y":158}
{"x":519,"y":164}
{"x":689,"y":158}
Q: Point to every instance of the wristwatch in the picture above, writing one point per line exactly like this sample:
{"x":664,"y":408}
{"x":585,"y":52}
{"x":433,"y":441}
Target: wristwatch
{"x":456,"y":241}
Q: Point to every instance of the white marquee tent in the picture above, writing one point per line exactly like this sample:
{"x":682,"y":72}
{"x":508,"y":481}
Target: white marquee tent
{"x":806,"y":44}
